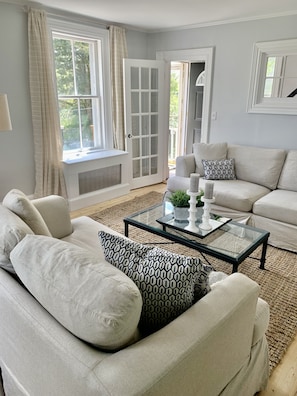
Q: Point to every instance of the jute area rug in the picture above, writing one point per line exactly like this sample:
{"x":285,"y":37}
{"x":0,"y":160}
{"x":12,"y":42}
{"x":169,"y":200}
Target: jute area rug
{"x":278,"y":282}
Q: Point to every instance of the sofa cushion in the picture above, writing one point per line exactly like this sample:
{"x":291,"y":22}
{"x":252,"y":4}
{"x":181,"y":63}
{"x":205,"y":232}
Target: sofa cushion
{"x":12,"y":231}
{"x":55,"y":212}
{"x":219,"y":169}
{"x":258,"y":165}
{"x":169,"y":283}
{"x":236,"y":194}
{"x":213,"y":151}
{"x":90,"y":297}
{"x":278,"y":205}
{"x":288,"y":177}
{"x":18,"y":202}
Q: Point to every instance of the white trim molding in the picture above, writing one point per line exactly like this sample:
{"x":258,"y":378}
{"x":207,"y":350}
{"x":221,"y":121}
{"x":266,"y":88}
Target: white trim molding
{"x":196,"y":55}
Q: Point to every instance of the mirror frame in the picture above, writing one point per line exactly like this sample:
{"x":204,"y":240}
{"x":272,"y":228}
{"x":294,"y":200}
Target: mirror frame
{"x":257,"y":103}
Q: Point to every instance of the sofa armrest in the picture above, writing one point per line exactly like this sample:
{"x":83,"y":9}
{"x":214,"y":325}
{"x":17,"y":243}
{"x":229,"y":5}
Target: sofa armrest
{"x":261,"y":320}
{"x":55,"y":212}
{"x":211,"y":340}
{"x":185,"y":165}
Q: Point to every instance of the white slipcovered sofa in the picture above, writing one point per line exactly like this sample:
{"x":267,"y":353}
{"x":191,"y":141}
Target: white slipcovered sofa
{"x":53,"y":316}
{"x":263,"y":193}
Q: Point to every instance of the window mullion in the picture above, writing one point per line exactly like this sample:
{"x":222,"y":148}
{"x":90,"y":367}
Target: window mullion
{"x":80,"y":124}
{"x":74,"y":69}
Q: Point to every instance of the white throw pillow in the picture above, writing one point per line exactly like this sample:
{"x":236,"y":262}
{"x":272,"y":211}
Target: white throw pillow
{"x":211,"y":151}
{"x":12,"y":231}
{"x":18,"y":202}
{"x":89,"y":297}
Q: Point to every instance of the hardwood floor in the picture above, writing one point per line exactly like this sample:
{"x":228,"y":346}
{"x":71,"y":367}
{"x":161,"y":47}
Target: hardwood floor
{"x":103,"y":205}
{"x":283,"y":381}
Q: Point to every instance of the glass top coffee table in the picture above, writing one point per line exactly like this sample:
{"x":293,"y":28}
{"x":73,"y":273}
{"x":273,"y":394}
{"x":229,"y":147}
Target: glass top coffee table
{"x":232,"y":242}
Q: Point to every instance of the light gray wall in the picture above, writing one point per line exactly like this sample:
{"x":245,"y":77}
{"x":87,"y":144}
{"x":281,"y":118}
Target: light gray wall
{"x":233,"y":44}
{"x":233,"y":49}
{"x":137,"y":43}
{"x":16,"y":147}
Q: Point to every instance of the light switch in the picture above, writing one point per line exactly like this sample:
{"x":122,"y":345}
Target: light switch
{"x":214,"y":115}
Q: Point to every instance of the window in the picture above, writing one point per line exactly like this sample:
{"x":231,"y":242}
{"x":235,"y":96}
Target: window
{"x":80,"y":58}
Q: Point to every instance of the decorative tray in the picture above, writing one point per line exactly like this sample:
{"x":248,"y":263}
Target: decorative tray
{"x":215,"y":221}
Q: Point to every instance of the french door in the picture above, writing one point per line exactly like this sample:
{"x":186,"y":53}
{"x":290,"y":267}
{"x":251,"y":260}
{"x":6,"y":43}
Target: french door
{"x":145,"y":120}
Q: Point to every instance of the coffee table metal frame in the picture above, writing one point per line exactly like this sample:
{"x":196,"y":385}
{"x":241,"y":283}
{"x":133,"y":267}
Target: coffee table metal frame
{"x":252,"y":237}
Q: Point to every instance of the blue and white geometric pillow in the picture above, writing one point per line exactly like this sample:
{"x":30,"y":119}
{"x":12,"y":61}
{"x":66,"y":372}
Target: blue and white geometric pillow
{"x":219,"y":169}
{"x":169,"y":283}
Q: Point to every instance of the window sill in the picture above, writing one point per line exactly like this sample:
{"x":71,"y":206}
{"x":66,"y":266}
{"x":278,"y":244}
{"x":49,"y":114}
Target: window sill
{"x":91,"y":155}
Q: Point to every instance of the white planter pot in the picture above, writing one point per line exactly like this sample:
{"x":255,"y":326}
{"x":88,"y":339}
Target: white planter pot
{"x":182,"y":214}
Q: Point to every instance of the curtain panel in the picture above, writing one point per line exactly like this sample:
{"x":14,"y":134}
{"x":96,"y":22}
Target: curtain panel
{"x":49,"y":176}
{"x":118,"y":51}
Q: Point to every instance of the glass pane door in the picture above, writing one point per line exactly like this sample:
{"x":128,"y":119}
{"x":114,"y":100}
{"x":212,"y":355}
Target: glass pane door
{"x":143,"y":101}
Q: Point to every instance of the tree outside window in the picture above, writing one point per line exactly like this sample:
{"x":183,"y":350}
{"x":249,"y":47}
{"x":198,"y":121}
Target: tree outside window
{"x":75,"y":63}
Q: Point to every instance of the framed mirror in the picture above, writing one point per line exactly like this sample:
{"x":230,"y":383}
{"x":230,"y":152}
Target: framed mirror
{"x":273,"y":84}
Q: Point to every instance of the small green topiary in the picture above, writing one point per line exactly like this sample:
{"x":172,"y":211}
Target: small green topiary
{"x":180,"y":199}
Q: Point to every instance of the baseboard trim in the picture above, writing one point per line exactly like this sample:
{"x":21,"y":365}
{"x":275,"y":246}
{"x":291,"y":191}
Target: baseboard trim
{"x":99,"y":196}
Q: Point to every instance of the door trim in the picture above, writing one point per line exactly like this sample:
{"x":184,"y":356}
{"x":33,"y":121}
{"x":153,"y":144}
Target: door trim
{"x":194,"y":55}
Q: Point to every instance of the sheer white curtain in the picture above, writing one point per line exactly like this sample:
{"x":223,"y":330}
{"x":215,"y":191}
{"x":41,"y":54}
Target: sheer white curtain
{"x":118,"y":51}
{"x":49,"y":175}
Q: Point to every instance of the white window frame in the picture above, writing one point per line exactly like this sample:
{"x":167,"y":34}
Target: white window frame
{"x":102,"y":36}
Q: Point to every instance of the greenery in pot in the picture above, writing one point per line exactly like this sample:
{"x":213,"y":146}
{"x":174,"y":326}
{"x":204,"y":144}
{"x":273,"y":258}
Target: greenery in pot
{"x":180,"y":199}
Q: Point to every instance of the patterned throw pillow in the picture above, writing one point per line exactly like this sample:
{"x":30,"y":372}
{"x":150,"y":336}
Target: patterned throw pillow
{"x":169,"y":283}
{"x":219,"y":169}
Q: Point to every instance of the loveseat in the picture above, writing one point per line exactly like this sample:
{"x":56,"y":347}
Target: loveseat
{"x":55,"y":290}
{"x":255,"y":185}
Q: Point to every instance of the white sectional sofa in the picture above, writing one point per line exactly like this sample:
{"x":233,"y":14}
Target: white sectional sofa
{"x":263,"y":193}
{"x":53,"y":316}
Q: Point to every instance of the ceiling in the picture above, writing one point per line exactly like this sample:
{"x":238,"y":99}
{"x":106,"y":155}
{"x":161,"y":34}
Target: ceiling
{"x":156,"y":15}
{"x":152,"y":15}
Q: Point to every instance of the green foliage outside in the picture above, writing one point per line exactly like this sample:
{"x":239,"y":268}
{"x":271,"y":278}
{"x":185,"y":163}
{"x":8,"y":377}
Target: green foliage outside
{"x":72,"y":61}
{"x":174,"y":89}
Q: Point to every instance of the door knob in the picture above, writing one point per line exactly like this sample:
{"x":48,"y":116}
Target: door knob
{"x":130,"y":136}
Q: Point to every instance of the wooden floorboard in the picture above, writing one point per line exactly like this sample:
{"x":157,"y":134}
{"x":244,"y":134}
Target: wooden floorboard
{"x":283,"y":381}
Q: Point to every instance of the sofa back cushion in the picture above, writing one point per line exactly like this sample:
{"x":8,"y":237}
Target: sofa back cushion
{"x":55,"y":212}
{"x":19,"y":203}
{"x":211,"y":151}
{"x":88,"y":296}
{"x":12,"y":230}
{"x":257,"y":165}
{"x":288,"y":177}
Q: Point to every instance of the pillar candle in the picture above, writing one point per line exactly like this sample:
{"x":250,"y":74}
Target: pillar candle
{"x":194,"y":182}
{"x":208,"y":193}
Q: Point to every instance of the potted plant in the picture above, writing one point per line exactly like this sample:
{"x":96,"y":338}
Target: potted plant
{"x":180,"y":201}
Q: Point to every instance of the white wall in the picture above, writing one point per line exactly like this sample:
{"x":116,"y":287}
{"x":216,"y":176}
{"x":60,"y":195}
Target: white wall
{"x":16,"y":147}
{"x":233,"y":45}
